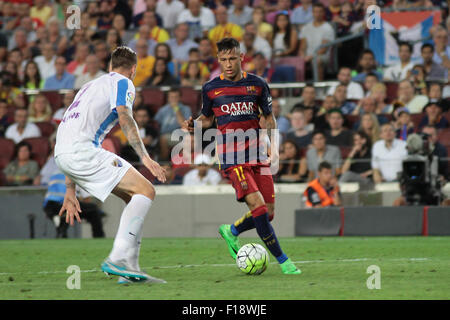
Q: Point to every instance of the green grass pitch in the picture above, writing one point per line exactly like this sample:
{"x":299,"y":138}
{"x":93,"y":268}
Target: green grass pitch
{"x":332,"y":268}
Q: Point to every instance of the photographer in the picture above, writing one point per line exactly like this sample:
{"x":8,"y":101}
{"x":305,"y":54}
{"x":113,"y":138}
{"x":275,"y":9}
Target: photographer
{"x":424,"y":170}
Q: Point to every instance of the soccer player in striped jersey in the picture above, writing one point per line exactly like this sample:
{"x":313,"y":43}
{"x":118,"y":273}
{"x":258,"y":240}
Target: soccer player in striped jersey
{"x":235,"y":100}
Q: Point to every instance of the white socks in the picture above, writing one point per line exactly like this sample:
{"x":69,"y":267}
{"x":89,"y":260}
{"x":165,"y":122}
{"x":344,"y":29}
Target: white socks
{"x":128,"y":238}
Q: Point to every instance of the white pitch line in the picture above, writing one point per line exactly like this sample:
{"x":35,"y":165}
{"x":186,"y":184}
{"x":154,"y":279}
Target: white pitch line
{"x":180,"y":266}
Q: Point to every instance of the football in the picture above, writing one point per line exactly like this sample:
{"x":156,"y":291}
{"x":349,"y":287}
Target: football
{"x":252,"y":258}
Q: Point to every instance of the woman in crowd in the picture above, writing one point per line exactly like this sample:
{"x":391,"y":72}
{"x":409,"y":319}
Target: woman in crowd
{"x":284,"y":41}
{"x":292,"y":169}
{"x":162,"y":50}
{"x":370,"y":125}
{"x":192,"y":76}
{"x":357,"y":167}
{"x":32,"y":76}
{"x":161,"y":75}
{"x":22,"y":170}
{"x":39,"y":110}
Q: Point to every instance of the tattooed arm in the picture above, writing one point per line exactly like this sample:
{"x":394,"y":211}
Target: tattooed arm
{"x":130,"y":129}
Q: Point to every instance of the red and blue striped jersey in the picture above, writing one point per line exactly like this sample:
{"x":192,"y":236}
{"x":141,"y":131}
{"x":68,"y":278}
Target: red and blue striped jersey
{"x":237,"y":106}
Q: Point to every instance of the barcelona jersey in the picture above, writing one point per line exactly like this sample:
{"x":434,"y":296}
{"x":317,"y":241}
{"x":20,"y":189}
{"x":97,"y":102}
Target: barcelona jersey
{"x":237,"y":107}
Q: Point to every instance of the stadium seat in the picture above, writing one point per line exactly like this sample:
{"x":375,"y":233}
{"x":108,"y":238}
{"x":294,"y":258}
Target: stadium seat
{"x":2,"y":178}
{"x":416,"y":118}
{"x":47,"y":128}
{"x":153,"y":97}
{"x":146,"y":173}
{"x":7,"y":147}
{"x":40,"y":149}
{"x":191,"y":97}
{"x":296,"y":62}
{"x":55,"y":99}
{"x":444,"y":137}
{"x":391,"y":91}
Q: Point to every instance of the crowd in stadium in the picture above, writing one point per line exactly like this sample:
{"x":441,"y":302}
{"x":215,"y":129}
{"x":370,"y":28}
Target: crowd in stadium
{"x":357,"y":125}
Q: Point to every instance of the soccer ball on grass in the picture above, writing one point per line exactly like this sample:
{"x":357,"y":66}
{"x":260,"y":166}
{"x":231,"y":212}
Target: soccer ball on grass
{"x":252,"y":258}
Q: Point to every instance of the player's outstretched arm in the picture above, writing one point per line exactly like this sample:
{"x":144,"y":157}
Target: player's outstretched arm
{"x":207,"y":122}
{"x":70,"y":204}
{"x":130,"y":129}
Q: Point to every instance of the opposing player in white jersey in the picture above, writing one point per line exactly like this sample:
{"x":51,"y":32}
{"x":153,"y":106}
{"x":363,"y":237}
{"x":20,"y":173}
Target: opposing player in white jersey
{"x":96,"y":108}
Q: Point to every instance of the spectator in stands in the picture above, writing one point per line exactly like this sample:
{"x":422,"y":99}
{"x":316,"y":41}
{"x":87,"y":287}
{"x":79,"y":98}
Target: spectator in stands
{"x":337,"y":135}
{"x":433,"y":116}
{"x":321,"y":151}
{"x":78,"y":36}
{"x":162,"y":50}
{"x":313,"y":35}
{"x":22,"y":170}
{"x":113,"y":39}
{"x":41,"y":11}
{"x":13,"y":71}
{"x":5,"y":120}
{"x":39,"y":109}
{"x":224,"y":28}
{"x":170,"y":117}
{"x":438,"y":150}
{"x":434,"y":92}
{"x":203,"y":174}
{"x":369,"y":82}
{"x":194,"y":57}
{"x":387,"y":155}
{"x":320,"y":122}
{"x":106,"y":15}
{"x":139,"y":10}
{"x":298,"y":133}
{"x":399,"y":72}
{"x":302,"y":14}
{"x":261,"y":66}
{"x":144,"y":35}
{"x":21,"y":128}
{"x":119,"y":24}
{"x":369,"y":105}
{"x":9,"y":91}
{"x":78,"y":66}
{"x":192,"y":76}
{"x":19,"y":41}
{"x":32,"y":77}
{"x":354,"y":89}
{"x":340,"y":94}
{"x":357,"y":165}
{"x":379,"y":93}
{"x":284,"y":41}
{"x":433,"y":70}
{"x":62,"y":79}
{"x":93,"y":71}
{"x":308,"y":98}
{"x":46,"y":61}
{"x":199,"y":18}
{"x":406,"y":95}
{"x":102,"y":54}
{"x":291,"y":168}
{"x":366,"y":65}
{"x":258,"y":43}
{"x":67,"y":101}
{"x":169,"y":10}
{"x":369,"y":125}
{"x":402,"y":124}
{"x":161,"y":75}
{"x":283,"y":124}
{"x":263,"y":29}
{"x":441,"y":48}
{"x":145,"y":63}
{"x":181,"y":44}
{"x":147,"y":131}
{"x":239,"y":13}
{"x":206,"y":54}
{"x":417,"y":77}
{"x":323,"y":191}
{"x":50,"y":166}
{"x":55,"y":36}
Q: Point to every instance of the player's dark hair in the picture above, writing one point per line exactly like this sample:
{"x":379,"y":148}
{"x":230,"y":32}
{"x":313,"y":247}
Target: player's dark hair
{"x":227,"y":44}
{"x":123,"y":57}
{"x":324,"y":165}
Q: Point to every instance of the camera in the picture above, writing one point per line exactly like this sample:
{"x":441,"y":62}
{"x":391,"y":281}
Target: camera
{"x":419,"y":181}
